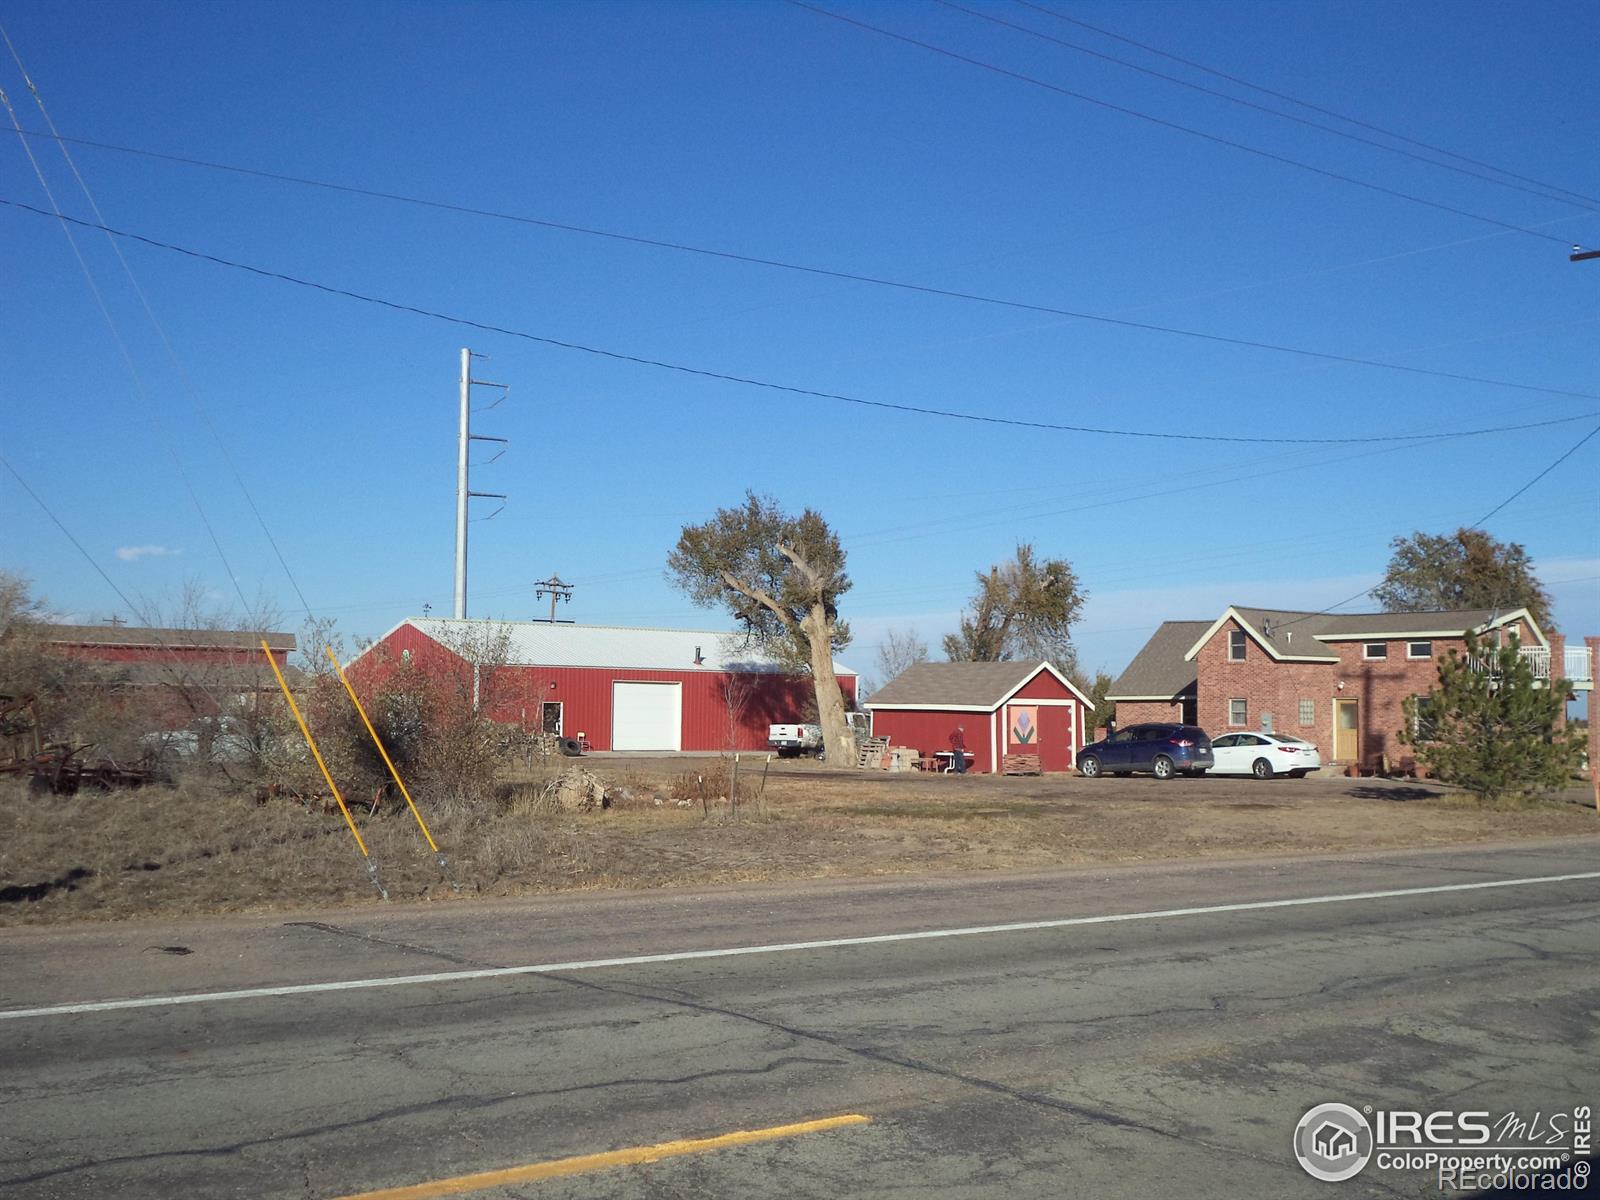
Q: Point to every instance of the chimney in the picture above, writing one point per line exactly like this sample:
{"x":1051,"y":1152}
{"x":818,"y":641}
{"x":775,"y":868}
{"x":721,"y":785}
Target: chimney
{"x":1558,"y":668}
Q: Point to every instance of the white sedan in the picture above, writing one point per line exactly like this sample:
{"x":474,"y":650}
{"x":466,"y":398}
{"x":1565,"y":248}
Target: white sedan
{"x":1264,"y":755}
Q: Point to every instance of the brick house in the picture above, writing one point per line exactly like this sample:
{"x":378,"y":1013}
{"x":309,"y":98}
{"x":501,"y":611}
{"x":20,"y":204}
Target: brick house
{"x":1336,"y":679}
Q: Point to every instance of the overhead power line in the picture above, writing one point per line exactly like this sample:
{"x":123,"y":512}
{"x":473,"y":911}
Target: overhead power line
{"x":1540,"y":191}
{"x":1563,"y":458}
{"x":797,"y":267}
{"x":1478,"y":524}
{"x":151,"y":414}
{"x":1221,"y":339}
{"x":790,"y":389}
{"x":1190,"y":130}
{"x":1306,"y":104}
{"x":166,"y":341}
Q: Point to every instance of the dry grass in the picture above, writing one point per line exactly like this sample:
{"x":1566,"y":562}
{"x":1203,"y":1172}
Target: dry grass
{"x":199,"y":847}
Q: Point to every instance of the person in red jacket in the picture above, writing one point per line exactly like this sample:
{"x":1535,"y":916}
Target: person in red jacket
{"x":958,"y":750}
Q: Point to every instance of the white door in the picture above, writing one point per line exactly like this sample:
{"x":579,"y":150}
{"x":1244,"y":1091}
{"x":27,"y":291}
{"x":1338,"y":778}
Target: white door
{"x":646,"y":716}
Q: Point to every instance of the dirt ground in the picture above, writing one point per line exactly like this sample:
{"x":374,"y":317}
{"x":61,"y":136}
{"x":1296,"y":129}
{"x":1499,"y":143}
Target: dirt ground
{"x":197,"y":848}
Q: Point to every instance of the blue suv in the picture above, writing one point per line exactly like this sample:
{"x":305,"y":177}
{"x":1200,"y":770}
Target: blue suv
{"x":1162,"y":750}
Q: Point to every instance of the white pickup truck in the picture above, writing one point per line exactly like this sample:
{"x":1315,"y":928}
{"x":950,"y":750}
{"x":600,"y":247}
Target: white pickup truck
{"x":790,"y":740}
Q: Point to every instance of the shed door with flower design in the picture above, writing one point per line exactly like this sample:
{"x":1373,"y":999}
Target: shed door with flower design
{"x":1022,"y":729}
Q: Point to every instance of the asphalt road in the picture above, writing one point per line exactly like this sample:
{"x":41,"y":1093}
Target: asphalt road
{"x":1165,"y":1055}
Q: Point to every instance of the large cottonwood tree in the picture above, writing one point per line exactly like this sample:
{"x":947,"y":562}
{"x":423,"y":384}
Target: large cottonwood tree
{"x":781,"y":576}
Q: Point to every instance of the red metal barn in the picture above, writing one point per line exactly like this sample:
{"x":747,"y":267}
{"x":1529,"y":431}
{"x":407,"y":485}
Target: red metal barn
{"x":619,"y":688}
{"x":180,"y":675}
{"x":1003,"y":708}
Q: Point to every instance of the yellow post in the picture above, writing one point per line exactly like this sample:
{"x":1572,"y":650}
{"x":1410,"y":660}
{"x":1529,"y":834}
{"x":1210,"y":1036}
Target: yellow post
{"x":315,"y":753}
{"x":378,"y":742}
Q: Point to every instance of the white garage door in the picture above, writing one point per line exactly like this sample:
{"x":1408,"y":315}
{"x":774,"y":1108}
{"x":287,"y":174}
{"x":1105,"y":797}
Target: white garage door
{"x":646,"y":716}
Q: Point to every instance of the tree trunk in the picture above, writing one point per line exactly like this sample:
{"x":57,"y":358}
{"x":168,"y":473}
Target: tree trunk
{"x":837,"y":739}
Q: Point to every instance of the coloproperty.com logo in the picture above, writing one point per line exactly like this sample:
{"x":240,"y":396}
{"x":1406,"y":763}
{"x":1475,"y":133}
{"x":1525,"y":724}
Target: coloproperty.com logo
{"x":1468,"y":1150}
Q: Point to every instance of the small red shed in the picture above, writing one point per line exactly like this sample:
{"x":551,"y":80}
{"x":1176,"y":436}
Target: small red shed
{"x":1002,"y":707}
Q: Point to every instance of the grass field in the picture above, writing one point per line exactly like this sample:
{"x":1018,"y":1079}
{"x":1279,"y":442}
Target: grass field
{"x":200,"y":848}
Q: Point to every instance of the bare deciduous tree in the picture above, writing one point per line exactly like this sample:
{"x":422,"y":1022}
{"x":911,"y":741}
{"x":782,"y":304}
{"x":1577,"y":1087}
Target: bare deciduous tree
{"x":899,"y":650}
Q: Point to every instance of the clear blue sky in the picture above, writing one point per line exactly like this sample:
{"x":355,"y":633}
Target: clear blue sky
{"x":766,"y":129}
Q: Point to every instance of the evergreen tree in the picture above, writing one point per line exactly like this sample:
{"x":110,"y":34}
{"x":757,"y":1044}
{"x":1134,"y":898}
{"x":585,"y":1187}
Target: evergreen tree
{"x":1488,"y":727}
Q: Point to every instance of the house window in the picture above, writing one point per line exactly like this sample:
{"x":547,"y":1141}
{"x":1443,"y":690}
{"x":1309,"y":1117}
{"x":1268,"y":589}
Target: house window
{"x":1419,"y":649}
{"x":1236,"y":645}
{"x":1375,"y":651}
{"x":1308,"y":712}
{"x":1238,"y":712}
{"x":1425,"y":724}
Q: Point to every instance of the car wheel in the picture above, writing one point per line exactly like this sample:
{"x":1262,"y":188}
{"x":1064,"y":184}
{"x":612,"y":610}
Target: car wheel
{"x":1261,"y":769}
{"x":1162,"y":767}
{"x":1089,"y":767}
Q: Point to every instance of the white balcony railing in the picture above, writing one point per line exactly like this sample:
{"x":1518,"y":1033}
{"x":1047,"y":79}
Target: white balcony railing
{"x":1577,"y":668}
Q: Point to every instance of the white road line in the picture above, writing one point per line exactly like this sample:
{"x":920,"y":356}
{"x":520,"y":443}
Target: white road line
{"x":637,"y":960}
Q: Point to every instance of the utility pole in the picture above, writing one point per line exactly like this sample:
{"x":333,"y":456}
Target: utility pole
{"x":1579,"y":254}
{"x":556,"y":590}
{"x":464,"y":492}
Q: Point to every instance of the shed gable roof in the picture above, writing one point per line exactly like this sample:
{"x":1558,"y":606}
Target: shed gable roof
{"x":966,"y":685}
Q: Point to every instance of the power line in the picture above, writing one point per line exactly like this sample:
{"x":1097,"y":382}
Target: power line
{"x":172,"y":353}
{"x":819,"y":271}
{"x":1592,"y":206}
{"x":1174,"y":125}
{"x":1306,"y":104}
{"x":1478,"y":524}
{"x":152,"y":416}
{"x":883,"y":404}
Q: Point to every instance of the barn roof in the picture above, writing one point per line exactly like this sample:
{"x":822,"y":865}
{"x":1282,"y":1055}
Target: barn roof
{"x":1160,"y":671}
{"x":967,"y":685}
{"x":547,"y":644}
{"x":139,"y":635}
{"x":215,"y":677}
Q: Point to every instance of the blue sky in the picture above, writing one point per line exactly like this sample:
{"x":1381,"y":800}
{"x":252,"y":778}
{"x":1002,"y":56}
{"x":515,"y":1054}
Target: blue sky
{"x":768,"y":130}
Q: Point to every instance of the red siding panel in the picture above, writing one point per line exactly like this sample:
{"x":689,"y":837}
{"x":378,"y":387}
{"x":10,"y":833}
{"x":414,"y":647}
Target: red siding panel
{"x":930,"y":731}
{"x":721,"y":710}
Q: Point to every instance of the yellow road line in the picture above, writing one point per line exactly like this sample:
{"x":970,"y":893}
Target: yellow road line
{"x":595,"y":1162}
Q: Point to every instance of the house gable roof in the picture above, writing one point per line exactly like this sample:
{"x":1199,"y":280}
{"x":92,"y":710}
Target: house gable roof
{"x":546,"y":644}
{"x":966,"y":686}
{"x":1160,"y":671}
{"x":1293,"y":636}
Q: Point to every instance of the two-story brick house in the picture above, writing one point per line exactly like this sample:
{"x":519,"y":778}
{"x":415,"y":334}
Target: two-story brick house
{"x":1336,"y":679}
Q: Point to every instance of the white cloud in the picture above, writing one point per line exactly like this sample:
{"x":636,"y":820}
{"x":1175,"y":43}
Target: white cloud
{"x":135,"y":553}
